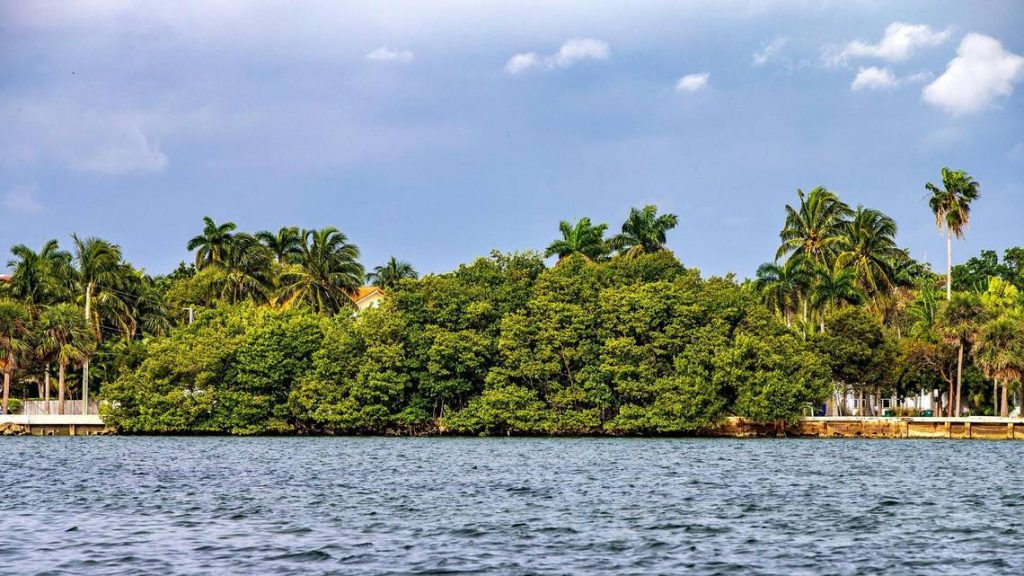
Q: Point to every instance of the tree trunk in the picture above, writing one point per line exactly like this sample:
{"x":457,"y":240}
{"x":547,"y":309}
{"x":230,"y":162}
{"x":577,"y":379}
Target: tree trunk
{"x":995,"y":396}
{"x":7,"y":392}
{"x":949,"y":401}
{"x":46,"y":389}
{"x":1003,"y":410}
{"x":959,"y":376}
{"x":60,"y":388}
{"x":85,"y":365}
{"x":860,"y":403}
{"x":949,"y":264}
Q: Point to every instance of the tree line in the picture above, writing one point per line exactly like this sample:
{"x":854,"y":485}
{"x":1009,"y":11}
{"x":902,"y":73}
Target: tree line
{"x":617,"y":337}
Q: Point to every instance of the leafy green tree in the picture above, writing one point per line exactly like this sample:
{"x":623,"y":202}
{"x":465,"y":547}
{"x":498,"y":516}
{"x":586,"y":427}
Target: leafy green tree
{"x":285,"y":244}
{"x":328,"y":273}
{"x":959,"y":325}
{"x":211,"y":245}
{"x":65,"y":338}
{"x":951,"y":206}
{"x":857,"y":350}
{"x":643,"y":232}
{"x":14,"y":343}
{"x":870,"y":250}
{"x":582,"y":238}
{"x":40,"y":278}
{"x":1000,"y":353}
{"x":815,"y":229}
{"x":242,"y":271}
{"x":389,"y":274}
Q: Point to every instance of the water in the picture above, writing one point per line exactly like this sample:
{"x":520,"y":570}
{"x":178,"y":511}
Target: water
{"x":120,"y":505}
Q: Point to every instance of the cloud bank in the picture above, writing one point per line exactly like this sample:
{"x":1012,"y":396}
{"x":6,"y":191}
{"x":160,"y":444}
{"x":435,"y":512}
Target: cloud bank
{"x":572,"y":51}
{"x":982,"y":73}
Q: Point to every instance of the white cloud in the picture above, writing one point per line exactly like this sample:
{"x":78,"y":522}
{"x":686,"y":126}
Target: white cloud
{"x":770,"y":51}
{"x":899,"y":43}
{"x":692,"y":82}
{"x":520,"y":63}
{"x":981,"y":73}
{"x":386,"y":54}
{"x":22,"y":199}
{"x":873,"y":78}
{"x":572,"y":51}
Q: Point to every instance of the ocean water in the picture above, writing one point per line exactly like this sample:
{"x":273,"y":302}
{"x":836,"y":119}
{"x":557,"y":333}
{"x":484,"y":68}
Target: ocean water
{"x":169,"y":505}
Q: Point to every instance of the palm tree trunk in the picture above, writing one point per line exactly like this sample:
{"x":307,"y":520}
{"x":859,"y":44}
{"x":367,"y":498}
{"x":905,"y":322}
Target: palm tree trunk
{"x":1003,"y":409}
{"x":85,"y":365}
{"x":995,"y":396}
{"x":949,"y":400}
{"x":949,"y":264}
{"x":60,"y":388}
{"x":46,"y":389}
{"x":959,"y":375}
{"x":7,"y":392}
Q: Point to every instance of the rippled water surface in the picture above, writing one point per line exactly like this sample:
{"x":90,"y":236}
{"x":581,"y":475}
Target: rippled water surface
{"x":121,"y":505}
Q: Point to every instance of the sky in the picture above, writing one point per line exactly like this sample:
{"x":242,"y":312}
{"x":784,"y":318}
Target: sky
{"x":437,"y":131}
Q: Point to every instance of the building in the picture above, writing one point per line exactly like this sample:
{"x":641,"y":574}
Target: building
{"x":368,"y":297}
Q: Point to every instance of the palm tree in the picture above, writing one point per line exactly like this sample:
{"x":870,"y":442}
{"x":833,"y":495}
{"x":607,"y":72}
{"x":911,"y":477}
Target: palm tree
{"x":951,"y":205}
{"x":583,"y":239}
{"x":243,"y":271}
{"x":14,"y":332}
{"x":643,"y":232}
{"x":389,"y":274}
{"x":782,"y":286}
{"x":1000,"y":353}
{"x":833,"y":287}
{"x":328,"y":273}
{"x":286,"y":244}
{"x":815,"y":229}
{"x":40,"y":278}
{"x":958,"y":323}
{"x":924,"y":313}
{"x":212,"y":243}
{"x":67,"y":339}
{"x":98,"y":266}
{"x":869,"y":247}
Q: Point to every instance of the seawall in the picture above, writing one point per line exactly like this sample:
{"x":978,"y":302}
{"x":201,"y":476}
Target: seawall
{"x":971,"y":428}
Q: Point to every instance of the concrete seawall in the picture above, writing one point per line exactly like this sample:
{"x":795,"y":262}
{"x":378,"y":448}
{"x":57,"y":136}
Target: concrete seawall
{"x":52,"y":425}
{"x":976,"y":428}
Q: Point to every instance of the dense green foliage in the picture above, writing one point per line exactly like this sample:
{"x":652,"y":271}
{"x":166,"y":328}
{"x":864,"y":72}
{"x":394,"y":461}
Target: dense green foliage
{"x":260,"y":334}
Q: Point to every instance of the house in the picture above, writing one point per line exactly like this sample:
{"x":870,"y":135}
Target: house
{"x":5,"y":278}
{"x":368,"y":297}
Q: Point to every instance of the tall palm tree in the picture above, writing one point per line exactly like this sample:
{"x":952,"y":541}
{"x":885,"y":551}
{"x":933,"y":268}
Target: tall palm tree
{"x":643,"y":232}
{"x":951,"y":205}
{"x":212,"y":243}
{"x":389,"y":274}
{"x":1000,"y":353}
{"x":833,"y":287}
{"x":959,"y":324}
{"x":14,"y":343}
{"x":286,"y":243}
{"x":98,"y":267}
{"x":782,"y":286}
{"x":67,"y":339}
{"x":869,"y":247}
{"x":40,"y":278}
{"x":243,"y":271}
{"x":328,"y":273}
{"x":582,"y":238}
{"x":814,"y":230}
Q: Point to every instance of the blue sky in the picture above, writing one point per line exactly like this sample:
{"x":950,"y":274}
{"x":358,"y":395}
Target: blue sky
{"x":437,"y":131}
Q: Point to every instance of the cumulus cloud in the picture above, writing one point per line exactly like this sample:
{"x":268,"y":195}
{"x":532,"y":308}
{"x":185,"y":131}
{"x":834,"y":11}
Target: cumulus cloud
{"x":572,"y":51}
{"x":692,"y":82}
{"x":873,"y":78}
{"x":387,"y":54}
{"x":981,"y":73}
{"x":899,"y":43}
{"x":22,"y":199}
{"x":770,"y":51}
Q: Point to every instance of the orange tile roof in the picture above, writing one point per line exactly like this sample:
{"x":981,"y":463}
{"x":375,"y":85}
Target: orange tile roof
{"x":365,"y":291}
{"x":5,"y":278}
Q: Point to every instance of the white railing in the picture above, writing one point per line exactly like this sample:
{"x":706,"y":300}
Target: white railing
{"x":43,"y":407}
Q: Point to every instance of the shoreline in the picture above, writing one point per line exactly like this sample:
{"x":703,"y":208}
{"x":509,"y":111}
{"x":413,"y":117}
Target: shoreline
{"x":867,"y":427}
